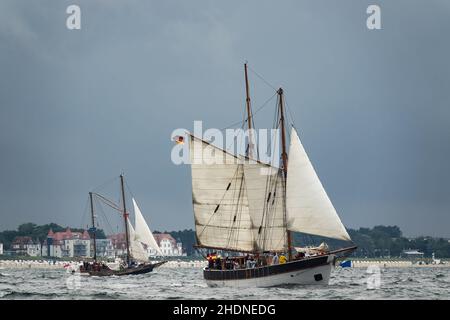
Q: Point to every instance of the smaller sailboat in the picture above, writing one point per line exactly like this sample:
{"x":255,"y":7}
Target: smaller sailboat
{"x":136,"y":258}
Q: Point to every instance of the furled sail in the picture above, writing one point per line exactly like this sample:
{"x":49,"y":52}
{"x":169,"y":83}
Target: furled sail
{"x":309,"y":209}
{"x":265,"y":193}
{"x":222,"y":218}
{"x":137,"y":251}
{"x":143,"y":233}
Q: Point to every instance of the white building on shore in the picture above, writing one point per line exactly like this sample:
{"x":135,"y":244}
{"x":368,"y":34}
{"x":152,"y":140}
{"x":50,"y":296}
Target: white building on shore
{"x":105,"y":248}
{"x":168,"y":245}
{"x":67,"y":244}
{"x":34,"y":250}
{"x":1,"y":249}
{"x":25,"y":246}
{"x":119,"y":244}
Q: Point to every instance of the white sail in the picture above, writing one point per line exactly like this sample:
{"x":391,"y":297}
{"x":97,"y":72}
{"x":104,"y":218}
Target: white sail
{"x":309,"y":209}
{"x":137,"y":251}
{"x":265,"y":192}
{"x":219,"y":198}
{"x":143,"y":233}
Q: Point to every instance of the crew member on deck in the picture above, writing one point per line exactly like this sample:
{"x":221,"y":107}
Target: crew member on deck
{"x":210,"y":261}
{"x":218,"y":263}
{"x":248,"y":263}
{"x":300,"y":255}
{"x":275,"y":259}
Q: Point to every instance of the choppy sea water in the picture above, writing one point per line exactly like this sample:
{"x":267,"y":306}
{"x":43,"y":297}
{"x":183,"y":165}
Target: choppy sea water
{"x":187,"y":283}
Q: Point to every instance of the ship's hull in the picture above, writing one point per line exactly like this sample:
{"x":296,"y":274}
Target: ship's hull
{"x":308,"y":271}
{"x":142,"y":269}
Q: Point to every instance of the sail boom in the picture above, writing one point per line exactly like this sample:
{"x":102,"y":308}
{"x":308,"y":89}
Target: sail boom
{"x":223,"y":249}
{"x":325,"y":234}
{"x":235,"y":250}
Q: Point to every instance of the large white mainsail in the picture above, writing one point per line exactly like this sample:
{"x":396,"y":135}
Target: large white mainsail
{"x":309,"y":209}
{"x":265,"y":192}
{"x":137,"y":251}
{"x":143,"y":233}
{"x":221,"y":212}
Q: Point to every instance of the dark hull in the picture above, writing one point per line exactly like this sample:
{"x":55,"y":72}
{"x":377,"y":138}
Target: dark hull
{"x":146,"y":268}
{"x":266,"y":271}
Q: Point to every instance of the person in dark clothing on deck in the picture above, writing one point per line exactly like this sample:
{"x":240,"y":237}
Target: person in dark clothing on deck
{"x":300,"y":255}
{"x":210,"y":261}
{"x":218,"y":264}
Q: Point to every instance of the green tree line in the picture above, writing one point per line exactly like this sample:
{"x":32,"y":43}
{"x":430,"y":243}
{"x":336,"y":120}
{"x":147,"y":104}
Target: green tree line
{"x":379,"y":241}
{"x":37,"y":232}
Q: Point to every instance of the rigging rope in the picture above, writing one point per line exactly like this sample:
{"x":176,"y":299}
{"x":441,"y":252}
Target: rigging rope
{"x":290,"y":114}
{"x":262,"y":78}
{"x":253,"y":114}
{"x":108,"y":202}
{"x":105,"y":218}
{"x":110,"y":181}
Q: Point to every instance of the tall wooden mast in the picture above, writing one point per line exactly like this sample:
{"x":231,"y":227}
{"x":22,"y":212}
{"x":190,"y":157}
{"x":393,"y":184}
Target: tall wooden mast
{"x":125,"y":217}
{"x":284,"y":158}
{"x":94,"y":231}
{"x":249,"y":115}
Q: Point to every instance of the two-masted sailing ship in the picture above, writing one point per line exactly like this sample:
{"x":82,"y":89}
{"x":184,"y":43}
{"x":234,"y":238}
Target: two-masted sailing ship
{"x":249,"y":209}
{"x":136,"y":260}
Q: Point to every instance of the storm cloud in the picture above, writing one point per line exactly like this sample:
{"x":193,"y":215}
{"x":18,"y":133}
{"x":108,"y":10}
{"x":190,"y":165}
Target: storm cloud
{"x":78,"y":107}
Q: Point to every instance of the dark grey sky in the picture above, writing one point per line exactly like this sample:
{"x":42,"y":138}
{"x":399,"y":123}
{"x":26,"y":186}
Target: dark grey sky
{"x":78,"y":107}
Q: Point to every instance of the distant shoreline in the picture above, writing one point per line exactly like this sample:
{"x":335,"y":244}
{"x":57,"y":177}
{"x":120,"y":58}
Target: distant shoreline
{"x":197,"y":263}
{"x":361,"y":263}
